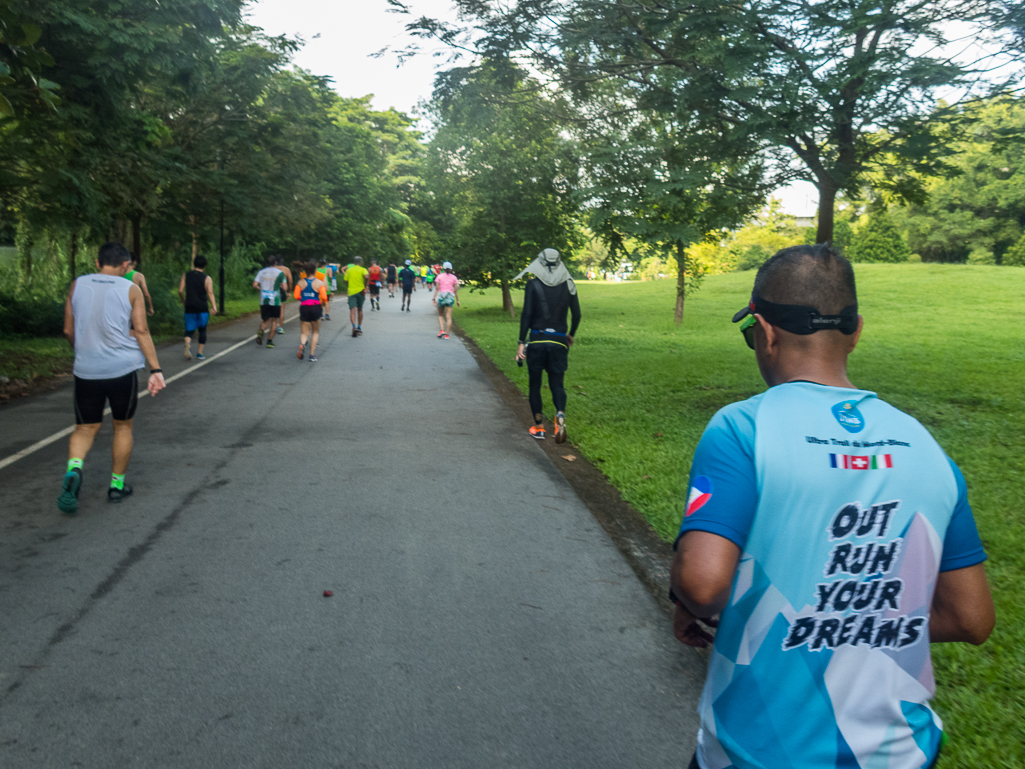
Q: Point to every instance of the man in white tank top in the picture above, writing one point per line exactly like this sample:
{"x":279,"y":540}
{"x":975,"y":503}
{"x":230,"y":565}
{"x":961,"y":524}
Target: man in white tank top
{"x":105,"y":323}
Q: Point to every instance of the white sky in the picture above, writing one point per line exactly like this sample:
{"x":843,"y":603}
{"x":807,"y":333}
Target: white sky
{"x":350,"y":30}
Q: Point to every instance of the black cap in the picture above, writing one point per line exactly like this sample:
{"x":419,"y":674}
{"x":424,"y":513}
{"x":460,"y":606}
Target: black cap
{"x":798,"y":319}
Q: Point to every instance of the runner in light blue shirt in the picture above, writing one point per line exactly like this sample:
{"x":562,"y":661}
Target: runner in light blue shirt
{"x":836,"y":539}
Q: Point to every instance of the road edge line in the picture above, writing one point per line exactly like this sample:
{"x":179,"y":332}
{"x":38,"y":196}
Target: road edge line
{"x":7,"y":461}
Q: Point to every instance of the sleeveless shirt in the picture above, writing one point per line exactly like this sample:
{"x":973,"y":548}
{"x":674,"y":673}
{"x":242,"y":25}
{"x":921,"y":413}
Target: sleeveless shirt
{"x":103,"y":318}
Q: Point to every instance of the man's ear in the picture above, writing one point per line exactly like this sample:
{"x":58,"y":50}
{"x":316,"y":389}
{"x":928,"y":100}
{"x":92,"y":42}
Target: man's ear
{"x":770,"y":334}
{"x":97,"y":263}
{"x":857,"y":334}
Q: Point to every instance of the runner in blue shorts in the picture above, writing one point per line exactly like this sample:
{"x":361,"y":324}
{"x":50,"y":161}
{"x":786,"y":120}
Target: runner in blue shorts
{"x":196,"y":291}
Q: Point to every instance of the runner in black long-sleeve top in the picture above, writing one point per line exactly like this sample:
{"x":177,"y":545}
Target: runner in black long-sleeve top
{"x":545,"y":337}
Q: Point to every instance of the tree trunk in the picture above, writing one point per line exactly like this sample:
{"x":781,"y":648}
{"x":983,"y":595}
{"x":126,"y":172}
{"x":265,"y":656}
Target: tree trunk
{"x":137,"y":237}
{"x":681,"y":281}
{"x":73,"y":254}
{"x":195,"y":239}
{"x":827,"y":202}
{"x":507,"y":300}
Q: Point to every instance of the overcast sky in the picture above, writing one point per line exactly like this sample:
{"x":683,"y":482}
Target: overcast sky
{"x":340,"y":35}
{"x":349,"y":31}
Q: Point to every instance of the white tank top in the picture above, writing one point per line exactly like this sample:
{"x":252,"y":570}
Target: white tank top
{"x":103,"y":317}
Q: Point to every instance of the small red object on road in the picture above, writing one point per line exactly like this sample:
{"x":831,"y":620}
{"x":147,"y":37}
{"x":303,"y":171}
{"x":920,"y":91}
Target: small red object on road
{"x":328,"y":594}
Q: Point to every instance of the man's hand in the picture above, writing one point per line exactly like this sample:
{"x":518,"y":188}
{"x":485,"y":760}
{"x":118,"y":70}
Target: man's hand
{"x":521,"y":352}
{"x":214,"y":312}
{"x":155,"y":383}
{"x":569,"y":339}
{"x":689,"y":632}
{"x":151,"y":312}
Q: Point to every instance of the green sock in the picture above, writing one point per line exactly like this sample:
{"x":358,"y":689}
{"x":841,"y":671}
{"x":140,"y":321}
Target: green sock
{"x":74,"y":464}
{"x":117,"y":481}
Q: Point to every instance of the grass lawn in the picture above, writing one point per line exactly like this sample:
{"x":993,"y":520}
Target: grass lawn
{"x":940,"y":342}
{"x":27,"y":358}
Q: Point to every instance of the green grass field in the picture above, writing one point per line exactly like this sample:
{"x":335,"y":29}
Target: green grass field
{"x":940,"y":342}
{"x":28,"y":358}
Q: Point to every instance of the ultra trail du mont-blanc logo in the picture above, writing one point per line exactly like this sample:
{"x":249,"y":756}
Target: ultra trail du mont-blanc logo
{"x":849,"y":417}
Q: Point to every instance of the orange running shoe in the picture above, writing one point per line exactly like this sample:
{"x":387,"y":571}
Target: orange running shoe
{"x":537,"y":431}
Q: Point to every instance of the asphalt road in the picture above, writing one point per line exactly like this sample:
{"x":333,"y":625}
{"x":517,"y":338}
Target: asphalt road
{"x":480,"y":617}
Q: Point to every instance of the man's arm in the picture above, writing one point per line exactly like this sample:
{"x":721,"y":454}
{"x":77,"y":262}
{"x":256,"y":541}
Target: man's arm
{"x":210,"y":293}
{"x":702,"y":572}
{"x":69,"y":319}
{"x":574,"y":313}
{"x":181,"y":289}
{"x":701,"y":579}
{"x":140,"y":330}
{"x":962,"y":607}
{"x":145,"y":292}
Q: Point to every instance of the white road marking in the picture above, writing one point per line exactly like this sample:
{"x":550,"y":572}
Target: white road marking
{"x":142,"y":393}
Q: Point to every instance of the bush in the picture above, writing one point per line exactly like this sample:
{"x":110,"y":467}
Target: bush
{"x":1015,"y":255}
{"x":843,"y":236}
{"x":878,"y":241}
{"x":753,"y":257}
{"x":981,"y":255}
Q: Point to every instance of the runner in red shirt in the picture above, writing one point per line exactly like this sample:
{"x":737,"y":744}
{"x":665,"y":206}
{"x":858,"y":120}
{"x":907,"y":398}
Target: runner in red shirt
{"x":375,"y":277}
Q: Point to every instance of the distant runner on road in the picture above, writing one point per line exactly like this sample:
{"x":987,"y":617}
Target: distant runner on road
{"x":105,"y":324}
{"x":270,"y":281}
{"x":323,"y":274}
{"x":545,"y":338}
{"x":196,"y":291}
{"x":392,"y":273}
{"x":446,"y":294}
{"x":375,"y":276}
{"x":408,"y":277}
{"x":312,"y":295}
{"x":285,"y":289}
{"x":139,"y":279}
{"x":356,"y":280}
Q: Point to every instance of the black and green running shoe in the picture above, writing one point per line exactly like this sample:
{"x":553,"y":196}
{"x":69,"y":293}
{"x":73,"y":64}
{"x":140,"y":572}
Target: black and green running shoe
{"x":116,"y":495}
{"x":67,"y":502}
{"x":270,"y":343}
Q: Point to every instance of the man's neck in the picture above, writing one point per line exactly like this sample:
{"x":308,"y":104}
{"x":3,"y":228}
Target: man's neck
{"x":819,"y":372}
{"x":108,"y":270}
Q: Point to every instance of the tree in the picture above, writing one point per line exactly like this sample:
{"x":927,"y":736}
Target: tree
{"x":981,"y":206}
{"x":499,"y":162}
{"x":878,"y":240}
{"x":830,"y":90}
{"x":663,"y":181}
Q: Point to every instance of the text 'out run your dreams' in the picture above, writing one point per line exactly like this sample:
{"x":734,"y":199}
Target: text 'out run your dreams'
{"x":870,"y":597}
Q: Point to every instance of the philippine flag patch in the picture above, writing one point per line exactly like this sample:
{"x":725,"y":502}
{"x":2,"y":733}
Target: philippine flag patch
{"x":700,"y":493}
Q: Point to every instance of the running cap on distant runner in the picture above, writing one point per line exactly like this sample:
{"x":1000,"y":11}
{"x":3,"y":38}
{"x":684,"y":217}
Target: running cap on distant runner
{"x":447,"y":266}
{"x":409,"y":262}
{"x":816,"y":276}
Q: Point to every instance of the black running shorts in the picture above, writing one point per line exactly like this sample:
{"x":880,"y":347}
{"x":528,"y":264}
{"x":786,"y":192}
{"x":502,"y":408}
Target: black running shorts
{"x":407,"y":291}
{"x":547,"y":356}
{"x":268,"y":311}
{"x":91,"y":396}
{"x":308,"y":313}
{"x":375,"y":289}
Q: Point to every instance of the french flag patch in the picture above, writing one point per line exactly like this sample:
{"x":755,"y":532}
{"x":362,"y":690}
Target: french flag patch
{"x":700,"y":493}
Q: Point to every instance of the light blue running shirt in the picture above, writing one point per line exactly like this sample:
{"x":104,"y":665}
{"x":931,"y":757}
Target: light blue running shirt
{"x":845,"y":510}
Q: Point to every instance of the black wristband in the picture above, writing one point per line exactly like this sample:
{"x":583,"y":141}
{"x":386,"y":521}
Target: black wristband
{"x":156,"y":371}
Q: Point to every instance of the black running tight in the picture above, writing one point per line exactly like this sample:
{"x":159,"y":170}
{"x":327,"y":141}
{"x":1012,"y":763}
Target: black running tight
{"x":555,"y":384}
{"x":201,"y":331}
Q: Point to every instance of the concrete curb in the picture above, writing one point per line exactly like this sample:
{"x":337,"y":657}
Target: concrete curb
{"x":643,"y":549}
